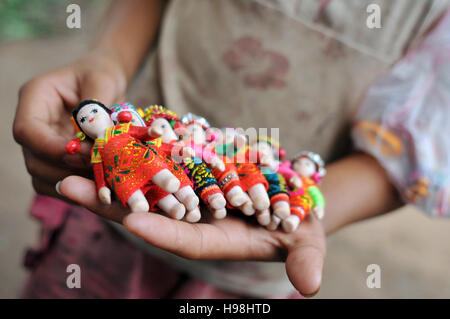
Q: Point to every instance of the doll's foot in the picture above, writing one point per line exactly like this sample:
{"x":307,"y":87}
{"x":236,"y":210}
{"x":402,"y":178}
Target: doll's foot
{"x":137,"y":202}
{"x":177,"y":211}
{"x":216,"y":201}
{"x":166,"y":180}
{"x":193,"y":216}
{"x":187,"y":196}
{"x":172,"y":207}
{"x":139,"y":206}
{"x":274,"y":222}
{"x":171,"y":185}
{"x":259,"y":197}
{"x":247,"y":208}
{"x":290,"y":223}
{"x":263,"y":217}
{"x":219,"y":213}
{"x":261,"y":203}
{"x":282,"y":209}
{"x":236,"y":196}
{"x":237,"y":200}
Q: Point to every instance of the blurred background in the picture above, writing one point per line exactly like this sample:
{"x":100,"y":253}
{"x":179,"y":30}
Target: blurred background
{"x":412,"y":250}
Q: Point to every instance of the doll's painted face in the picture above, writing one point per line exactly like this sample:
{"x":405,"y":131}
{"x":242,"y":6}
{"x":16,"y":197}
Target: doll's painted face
{"x":304,"y":167}
{"x":196,"y":133}
{"x":94,"y":120}
{"x":168,"y":133}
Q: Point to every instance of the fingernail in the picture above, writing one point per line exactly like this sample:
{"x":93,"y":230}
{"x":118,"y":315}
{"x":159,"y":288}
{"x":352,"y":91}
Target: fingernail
{"x":311,"y":295}
{"x":57,"y":188}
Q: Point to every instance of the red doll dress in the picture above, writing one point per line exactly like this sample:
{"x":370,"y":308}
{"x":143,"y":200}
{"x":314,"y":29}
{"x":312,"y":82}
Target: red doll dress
{"x":156,"y":193}
{"x":124,"y":163}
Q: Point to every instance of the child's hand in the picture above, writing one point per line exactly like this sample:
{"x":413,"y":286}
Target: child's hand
{"x":231,"y":238}
{"x":41,"y":125}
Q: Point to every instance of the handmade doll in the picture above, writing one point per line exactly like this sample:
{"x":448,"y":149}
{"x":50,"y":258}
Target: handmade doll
{"x":121,"y":161}
{"x":127,"y":113}
{"x":251,"y":178}
{"x":310,"y":169}
{"x":270,"y":152}
{"x":199,"y":135}
{"x":228,"y":178}
{"x":205,"y":185}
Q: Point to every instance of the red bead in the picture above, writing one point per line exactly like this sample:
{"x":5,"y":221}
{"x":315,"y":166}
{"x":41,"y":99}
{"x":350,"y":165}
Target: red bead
{"x":124,"y":117}
{"x":73,"y":147}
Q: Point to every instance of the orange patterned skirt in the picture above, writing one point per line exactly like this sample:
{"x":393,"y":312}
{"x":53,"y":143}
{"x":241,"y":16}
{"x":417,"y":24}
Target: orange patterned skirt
{"x":129,"y":166}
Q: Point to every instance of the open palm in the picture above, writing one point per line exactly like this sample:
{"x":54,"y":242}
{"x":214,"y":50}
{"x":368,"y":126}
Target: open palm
{"x":232,"y":238}
{"x":41,"y":127}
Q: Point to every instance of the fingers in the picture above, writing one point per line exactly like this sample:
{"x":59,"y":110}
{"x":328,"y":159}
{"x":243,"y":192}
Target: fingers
{"x":51,"y":172}
{"x":304,"y":264}
{"x":44,"y":188}
{"x":82,"y":191}
{"x":96,"y":86}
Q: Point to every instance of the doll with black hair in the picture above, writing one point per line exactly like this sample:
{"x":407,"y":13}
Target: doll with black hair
{"x":122,"y":163}
{"x":170,"y":203}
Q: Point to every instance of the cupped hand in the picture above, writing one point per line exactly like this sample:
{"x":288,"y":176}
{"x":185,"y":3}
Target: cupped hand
{"x":232,"y":238}
{"x":42,"y":124}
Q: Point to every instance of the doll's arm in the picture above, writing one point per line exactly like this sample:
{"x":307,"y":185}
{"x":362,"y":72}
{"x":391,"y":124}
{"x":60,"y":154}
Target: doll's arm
{"x":99,"y":175}
{"x":211,"y":158}
{"x":104,"y":193}
{"x":177,"y":151}
{"x":289,"y":174}
{"x":139,"y":132}
{"x":144,"y":133}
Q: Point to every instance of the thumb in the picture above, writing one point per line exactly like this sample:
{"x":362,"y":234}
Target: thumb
{"x":304,"y":264}
{"x":82,"y":191}
{"x":101,"y":88}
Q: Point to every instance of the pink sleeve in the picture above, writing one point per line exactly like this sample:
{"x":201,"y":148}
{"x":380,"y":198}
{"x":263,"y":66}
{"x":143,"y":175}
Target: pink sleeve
{"x":208,"y":154}
{"x":285,"y":169}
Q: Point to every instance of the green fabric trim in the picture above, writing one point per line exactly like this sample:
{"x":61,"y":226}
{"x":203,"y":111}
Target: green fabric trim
{"x":226,"y":149}
{"x":317,"y":197}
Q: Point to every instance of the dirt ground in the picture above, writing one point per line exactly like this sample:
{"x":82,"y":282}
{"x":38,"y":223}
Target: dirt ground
{"x":412,"y":250}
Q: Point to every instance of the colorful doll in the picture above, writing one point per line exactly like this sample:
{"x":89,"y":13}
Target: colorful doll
{"x":310,"y":169}
{"x":121,"y":161}
{"x":228,"y":178}
{"x":205,"y":185}
{"x":197,"y":134}
{"x":270,"y":152}
{"x":127,"y":113}
{"x":251,"y":179}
